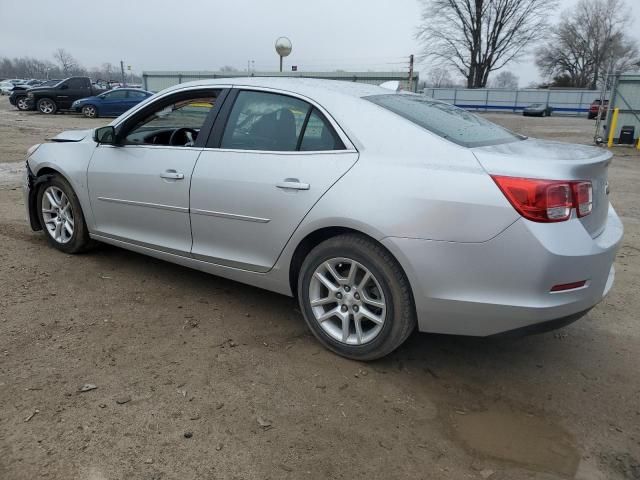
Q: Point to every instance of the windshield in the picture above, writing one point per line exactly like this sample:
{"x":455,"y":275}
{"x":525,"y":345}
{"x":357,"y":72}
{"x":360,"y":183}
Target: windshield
{"x":449,"y":122}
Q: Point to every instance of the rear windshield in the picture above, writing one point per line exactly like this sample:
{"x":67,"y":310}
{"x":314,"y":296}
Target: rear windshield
{"x":449,"y":122}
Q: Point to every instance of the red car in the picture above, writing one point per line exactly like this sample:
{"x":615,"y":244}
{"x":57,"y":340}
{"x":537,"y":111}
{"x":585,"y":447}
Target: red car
{"x":595,"y":107}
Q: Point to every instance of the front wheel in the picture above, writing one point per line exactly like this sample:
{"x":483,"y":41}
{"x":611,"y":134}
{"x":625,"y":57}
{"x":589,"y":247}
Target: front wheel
{"x":22,"y":103}
{"x":47,"y":106}
{"x":355,"y":297}
{"x":61,"y":216}
{"x":90,"y":111}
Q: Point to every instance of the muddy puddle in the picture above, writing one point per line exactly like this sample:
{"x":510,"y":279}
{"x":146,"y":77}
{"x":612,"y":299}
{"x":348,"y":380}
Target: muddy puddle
{"x":11,"y":173}
{"x":520,"y":438}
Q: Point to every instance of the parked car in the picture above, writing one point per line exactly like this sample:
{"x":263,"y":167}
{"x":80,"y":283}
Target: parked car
{"x":382,"y":212}
{"x":111,"y":103}
{"x":537,"y":110}
{"x":595,"y":108}
{"x":18,"y":96}
{"x":61,"y":96}
{"x":6,"y":86}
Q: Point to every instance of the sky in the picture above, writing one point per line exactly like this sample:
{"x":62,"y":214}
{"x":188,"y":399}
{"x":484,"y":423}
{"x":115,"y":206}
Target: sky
{"x":208,"y":34}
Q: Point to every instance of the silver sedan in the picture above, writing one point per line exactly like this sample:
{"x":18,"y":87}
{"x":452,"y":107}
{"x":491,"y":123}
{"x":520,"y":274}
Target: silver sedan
{"x":382,"y":212}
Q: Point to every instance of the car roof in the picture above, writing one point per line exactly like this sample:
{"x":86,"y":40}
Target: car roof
{"x":310,"y":87}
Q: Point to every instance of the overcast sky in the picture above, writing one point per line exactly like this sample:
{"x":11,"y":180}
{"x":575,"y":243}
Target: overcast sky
{"x":207,"y":34}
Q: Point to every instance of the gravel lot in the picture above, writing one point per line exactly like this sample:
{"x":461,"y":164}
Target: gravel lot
{"x":176,"y":353}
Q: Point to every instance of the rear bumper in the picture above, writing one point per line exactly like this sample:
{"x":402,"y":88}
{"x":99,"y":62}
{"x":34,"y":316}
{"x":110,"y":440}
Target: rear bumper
{"x":504,"y":284}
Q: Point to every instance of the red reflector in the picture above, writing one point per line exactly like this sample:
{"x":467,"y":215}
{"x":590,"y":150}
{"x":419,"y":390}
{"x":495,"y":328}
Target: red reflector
{"x":546,"y":200}
{"x":568,"y":286}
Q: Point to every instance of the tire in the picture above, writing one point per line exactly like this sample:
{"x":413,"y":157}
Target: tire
{"x":48,"y":211}
{"x":47,"y":106}
{"x":22,"y":103}
{"x":90,"y":111}
{"x":387,"y":285}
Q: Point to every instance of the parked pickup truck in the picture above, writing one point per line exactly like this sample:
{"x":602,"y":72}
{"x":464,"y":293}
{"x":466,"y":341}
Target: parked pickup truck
{"x":60,"y":97}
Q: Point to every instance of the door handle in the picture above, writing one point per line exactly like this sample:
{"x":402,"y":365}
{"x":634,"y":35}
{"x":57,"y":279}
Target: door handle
{"x":172,"y":175}
{"x":293,"y":184}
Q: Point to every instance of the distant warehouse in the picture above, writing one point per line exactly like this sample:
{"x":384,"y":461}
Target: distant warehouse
{"x":156,"y":81}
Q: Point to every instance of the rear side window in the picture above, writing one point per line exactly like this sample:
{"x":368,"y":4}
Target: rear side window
{"x":319,"y":135}
{"x":273,"y":122}
{"x":449,"y":122}
{"x":135,"y":94}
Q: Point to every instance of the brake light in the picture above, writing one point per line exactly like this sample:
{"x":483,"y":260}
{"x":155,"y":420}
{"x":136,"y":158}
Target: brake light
{"x":583,"y":192}
{"x":546,"y":200}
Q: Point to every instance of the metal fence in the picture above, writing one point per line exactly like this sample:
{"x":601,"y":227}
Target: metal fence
{"x":564,"y":102}
{"x":156,"y":81}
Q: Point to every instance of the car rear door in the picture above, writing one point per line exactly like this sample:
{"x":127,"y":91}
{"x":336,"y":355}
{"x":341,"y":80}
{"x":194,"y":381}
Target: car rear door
{"x":269,"y":160}
{"x":139,"y":191}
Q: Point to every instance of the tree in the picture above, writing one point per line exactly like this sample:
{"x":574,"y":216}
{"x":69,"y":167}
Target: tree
{"x":477,"y":37}
{"x":66,"y":60}
{"x":439,"y":77}
{"x":228,"y":69}
{"x":590,"y":40}
{"x":505,"y":79}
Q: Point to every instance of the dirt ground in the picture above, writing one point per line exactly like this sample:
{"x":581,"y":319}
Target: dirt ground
{"x":202,"y":378}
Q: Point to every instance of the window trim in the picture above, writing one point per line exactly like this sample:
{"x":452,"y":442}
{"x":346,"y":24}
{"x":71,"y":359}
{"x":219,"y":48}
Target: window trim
{"x":215,"y":138}
{"x":172,"y":97}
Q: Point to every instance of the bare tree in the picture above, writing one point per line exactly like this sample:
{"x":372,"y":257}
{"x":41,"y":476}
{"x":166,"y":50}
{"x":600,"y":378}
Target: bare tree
{"x":505,"y":79}
{"x":439,"y":77}
{"x":477,"y":37}
{"x":228,"y":69}
{"x":590,"y":39}
{"x":66,"y":60}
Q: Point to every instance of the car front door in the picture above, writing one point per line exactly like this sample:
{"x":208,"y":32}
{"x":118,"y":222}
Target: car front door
{"x":260,"y":175}
{"x":113,"y":103}
{"x":71,"y":90}
{"x":139,"y":189}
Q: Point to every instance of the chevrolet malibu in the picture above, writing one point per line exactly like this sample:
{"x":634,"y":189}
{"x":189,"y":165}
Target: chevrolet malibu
{"x":382,"y":212}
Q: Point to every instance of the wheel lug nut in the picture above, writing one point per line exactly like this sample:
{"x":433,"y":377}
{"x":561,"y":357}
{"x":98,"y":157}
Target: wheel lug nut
{"x":357,"y":296}
{"x":347,"y":288}
{"x":344,"y":308}
{"x":339,"y":296}
{"x":356,"y":308}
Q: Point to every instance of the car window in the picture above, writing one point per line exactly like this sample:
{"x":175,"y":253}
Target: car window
{"x":116,"y":95}
{"x":449,"y":122}
{"x":136,"y":94}
{"x":76,"y":83}
{"x":319,"y":135}
{"x":157,"y":127}
{"x":265,"y":121}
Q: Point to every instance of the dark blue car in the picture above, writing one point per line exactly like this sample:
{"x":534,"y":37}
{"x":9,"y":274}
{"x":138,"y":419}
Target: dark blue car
{"x":111,"y":103}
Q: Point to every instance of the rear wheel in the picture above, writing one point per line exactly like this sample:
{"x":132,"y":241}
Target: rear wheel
{"x":22,"y":103}
{"x":355,"y":297}
{"x":47,"y":106}
{"x":90,"y":111}
{"x":61,"y":216}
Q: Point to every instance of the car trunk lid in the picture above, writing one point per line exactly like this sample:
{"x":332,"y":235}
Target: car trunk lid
{"x":542,"y":159}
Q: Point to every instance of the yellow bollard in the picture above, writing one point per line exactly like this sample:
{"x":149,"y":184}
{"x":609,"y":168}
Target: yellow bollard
{"x":612,"y":127}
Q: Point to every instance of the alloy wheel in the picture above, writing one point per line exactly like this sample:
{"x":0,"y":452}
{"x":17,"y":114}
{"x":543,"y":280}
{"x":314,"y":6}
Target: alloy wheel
{"x":89,"y":111}
{"x":347,"y":301}
{"x":22,"y":103}
{"x":57,"y":214}
{"x":46,"y":106}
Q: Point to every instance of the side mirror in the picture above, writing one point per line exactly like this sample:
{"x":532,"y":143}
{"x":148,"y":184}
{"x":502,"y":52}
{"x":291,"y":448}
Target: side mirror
{"x":105,"y":135}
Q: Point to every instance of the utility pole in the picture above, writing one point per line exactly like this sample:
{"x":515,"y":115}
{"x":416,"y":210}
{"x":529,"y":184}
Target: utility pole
{"x":124,"y":83}
{"x":411,"y":73}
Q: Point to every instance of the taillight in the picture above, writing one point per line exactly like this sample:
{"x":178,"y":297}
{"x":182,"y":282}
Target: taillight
{"x":546,"y":200}
{"x":583,"y":193}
